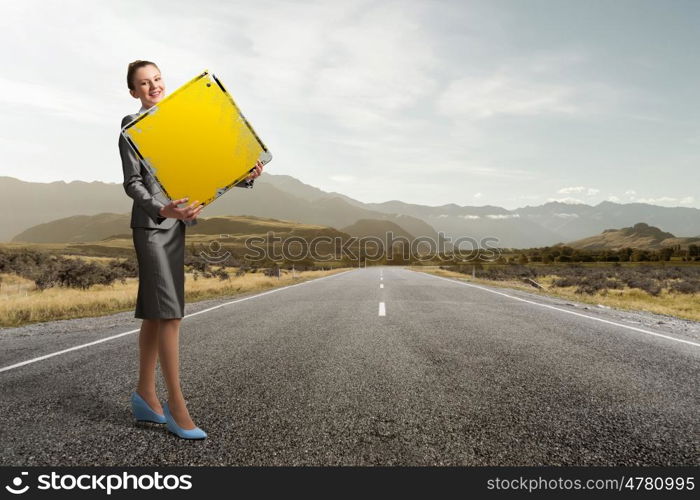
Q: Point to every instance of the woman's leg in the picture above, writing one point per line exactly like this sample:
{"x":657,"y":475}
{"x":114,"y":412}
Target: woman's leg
{"x":168,"y":349}
{"x":148,"y":357}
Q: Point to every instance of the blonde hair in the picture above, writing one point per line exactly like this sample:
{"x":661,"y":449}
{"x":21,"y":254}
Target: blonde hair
{"x":133,"y":66}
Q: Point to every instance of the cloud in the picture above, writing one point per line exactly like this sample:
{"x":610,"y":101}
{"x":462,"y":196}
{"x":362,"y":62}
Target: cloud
{"x":614,"y":199}
{"x":656,"y":201}
{"x":337,"y":60}
{"x":579,"y":189}
{"x":477,"y":195}
{"x":342,"y":178}
{"x":470,"y":217}
{"x":666,"y":200}
{"x":503,"y":216}
{"x":483,"y":171}
{"x":534,"y":85}
{"x":64,"y":103}
{"x":408,"y":100}
{"x":21,"y":147}
{"x":570,"y":190}
{"x":568,"y":200}
{"x":566,"y":216}
{"x":484,"y":97}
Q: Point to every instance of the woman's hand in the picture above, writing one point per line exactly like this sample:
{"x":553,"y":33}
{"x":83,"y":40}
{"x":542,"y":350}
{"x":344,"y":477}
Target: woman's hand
{"x":191,"y":212}
{"x":255,"y":172}
{"x":188,"y":213}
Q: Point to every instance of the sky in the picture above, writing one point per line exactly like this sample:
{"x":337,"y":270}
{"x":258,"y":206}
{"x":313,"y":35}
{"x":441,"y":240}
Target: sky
{"x":506,"y":103}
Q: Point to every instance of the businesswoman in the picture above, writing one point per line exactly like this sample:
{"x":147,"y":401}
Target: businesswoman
{"x":158,"y":230}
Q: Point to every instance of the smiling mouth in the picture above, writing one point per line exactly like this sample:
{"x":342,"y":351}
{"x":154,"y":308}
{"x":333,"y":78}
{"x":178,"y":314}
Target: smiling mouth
{"x":156,"y":94}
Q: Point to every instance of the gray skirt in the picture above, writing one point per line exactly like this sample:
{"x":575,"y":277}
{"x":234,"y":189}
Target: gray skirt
{"x":161,"y":257}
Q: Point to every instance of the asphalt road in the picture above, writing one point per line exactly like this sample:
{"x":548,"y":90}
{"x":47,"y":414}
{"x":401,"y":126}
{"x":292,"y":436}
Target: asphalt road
{"x":312,"y":374}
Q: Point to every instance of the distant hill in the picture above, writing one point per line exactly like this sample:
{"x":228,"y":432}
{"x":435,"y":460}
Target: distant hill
{"x":250,"y":225}
{"x":641,"y":236}
{"x":274,"y":196}
{"x":547,"y":224}
{"x":94,"y":228}
{"x":376,"y":228}
{"x":38,"y":202}
{"x":75,"y":229}
{"x":284,"y":197}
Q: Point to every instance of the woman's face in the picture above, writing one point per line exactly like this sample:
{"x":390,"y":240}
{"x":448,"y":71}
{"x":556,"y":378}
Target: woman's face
{"x":148,"y":85}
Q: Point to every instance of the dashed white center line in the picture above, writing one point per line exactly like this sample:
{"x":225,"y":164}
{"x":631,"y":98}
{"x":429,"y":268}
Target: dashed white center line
{"x":381,"y":285}
{"x":382,"y":309}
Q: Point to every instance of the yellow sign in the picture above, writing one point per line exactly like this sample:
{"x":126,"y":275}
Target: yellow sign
{"x":196,"y":142}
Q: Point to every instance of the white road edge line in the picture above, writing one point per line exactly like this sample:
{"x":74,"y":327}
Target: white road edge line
{"x":641,"y":330}
{"x":46,"y":356}
{"x":382,"y":309}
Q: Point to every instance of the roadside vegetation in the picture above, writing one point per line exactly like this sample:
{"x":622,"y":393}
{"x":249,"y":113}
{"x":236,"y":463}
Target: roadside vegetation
{"x":40,"y":286}
{"x":659,"y":288}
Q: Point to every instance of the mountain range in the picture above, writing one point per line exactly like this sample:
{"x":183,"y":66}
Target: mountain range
{"x":287,"y":198}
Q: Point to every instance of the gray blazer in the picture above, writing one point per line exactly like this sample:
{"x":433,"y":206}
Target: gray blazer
{"x":142,"y":187}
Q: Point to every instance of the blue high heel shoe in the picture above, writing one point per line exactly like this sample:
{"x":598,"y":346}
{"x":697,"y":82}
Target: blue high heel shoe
{"x":142,"y":411}
{"x":195,"y":433}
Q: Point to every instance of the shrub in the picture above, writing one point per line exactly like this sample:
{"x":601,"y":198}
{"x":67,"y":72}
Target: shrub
{"x":221,"y":273}
{"x":76,"y":273}
{"x":272,"y":271}
{"x":685,"y":286}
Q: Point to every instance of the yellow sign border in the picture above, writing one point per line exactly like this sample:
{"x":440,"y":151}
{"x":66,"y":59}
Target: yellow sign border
{"x":131,"y":134}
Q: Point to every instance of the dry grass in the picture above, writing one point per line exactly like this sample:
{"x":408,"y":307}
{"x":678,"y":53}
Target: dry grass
{"x":21,"y":303}
{"x":686,"y":306}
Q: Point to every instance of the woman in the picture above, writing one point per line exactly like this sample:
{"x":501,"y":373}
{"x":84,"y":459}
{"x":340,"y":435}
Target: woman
{"x":158,"y":230}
